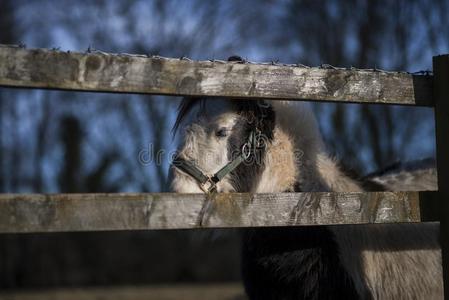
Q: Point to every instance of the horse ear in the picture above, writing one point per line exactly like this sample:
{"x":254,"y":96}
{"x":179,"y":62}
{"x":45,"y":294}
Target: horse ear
{"x":236,"y":58}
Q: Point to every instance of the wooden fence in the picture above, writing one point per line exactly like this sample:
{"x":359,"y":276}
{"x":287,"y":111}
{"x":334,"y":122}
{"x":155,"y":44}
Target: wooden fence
{"x":123,"y":73}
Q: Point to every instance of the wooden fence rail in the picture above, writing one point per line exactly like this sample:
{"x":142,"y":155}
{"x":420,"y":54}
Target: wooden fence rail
{"x":87,"y":212}
{"x":103,"y":72}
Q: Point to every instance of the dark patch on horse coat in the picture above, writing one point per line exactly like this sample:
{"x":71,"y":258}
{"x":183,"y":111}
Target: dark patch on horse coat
{"x":293,"y":263}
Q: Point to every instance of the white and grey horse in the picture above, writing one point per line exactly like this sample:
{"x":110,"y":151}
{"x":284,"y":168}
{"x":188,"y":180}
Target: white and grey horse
{"x":400,"y":261}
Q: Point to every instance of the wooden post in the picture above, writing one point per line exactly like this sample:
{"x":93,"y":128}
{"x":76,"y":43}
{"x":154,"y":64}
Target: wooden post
{"x":441,"y":96}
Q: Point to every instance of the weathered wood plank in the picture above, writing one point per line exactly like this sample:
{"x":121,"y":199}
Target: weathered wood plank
{"x":91,"y":212}
{"x":217,"y":291}
{"x":103,"y":72}
{"x":441,"y":91}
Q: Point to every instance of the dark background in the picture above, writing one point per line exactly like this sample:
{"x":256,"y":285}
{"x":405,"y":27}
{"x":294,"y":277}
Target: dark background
{"x":54,"y":141}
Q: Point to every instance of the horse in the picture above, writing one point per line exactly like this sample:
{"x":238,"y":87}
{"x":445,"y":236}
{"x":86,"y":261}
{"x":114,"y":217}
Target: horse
{"x":260,"y":146}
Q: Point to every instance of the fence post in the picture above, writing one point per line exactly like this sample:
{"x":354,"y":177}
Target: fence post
{"x":441,"y":96}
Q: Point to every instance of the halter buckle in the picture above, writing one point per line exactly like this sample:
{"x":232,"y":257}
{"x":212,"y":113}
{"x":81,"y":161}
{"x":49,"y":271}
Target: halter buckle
{"x":208,"y":186}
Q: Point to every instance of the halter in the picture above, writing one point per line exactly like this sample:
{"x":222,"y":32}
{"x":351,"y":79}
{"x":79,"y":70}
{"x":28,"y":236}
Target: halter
{"x":208,"y":183}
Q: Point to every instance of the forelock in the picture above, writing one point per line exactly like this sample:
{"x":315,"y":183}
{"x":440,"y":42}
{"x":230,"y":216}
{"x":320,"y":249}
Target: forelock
{"x":248,"y":109}
{"x":186,"y":105}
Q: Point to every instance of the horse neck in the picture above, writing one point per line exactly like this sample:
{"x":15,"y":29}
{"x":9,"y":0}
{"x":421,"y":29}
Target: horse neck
{"x":296,"y":160}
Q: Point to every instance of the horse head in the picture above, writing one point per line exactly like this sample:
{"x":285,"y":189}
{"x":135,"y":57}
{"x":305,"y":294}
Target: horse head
{"x":222,"y":145}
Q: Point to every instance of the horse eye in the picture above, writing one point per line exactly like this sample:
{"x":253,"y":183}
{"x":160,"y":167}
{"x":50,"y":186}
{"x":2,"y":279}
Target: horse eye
{"x":222,"y":132}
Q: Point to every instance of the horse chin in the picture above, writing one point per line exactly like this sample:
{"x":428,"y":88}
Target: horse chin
{"x":182,"y":183}
{"x":225,"y":187}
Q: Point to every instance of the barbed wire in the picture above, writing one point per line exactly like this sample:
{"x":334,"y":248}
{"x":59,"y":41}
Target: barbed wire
{"x":91,"y":50}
